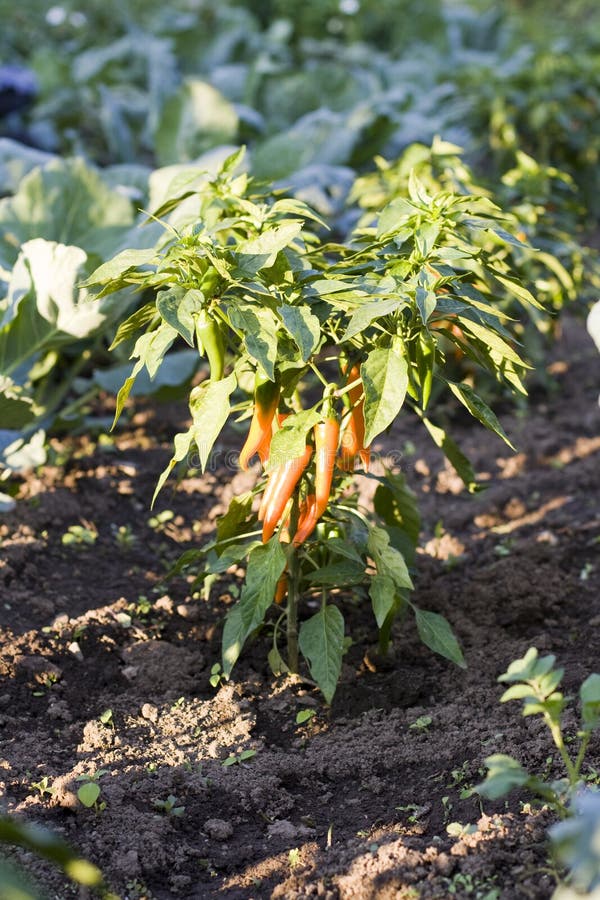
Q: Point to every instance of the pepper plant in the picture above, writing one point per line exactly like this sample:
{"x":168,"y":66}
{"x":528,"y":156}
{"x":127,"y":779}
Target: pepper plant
{"x":332,"y":341}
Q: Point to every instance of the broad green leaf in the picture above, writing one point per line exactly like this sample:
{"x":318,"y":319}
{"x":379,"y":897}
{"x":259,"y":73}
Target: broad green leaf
{"x":303,"y":326}
{"x":209,"y":405}
{"x":504,"y":774}
{"x":45,"y":308}
{"x":454,"y":454}
{"x":65,"y":201}
{"x":321,"y":641}
{"x":345,"y":572}
{"x":259,"y":329}
{"x":478,"y":408}
{"x":261,"y":252}
{"x":194,"y":119}
{"x":182,"y":443}
{"x":382,"y":592}
{"x":15,"y":411}
{"x":436,"y":633}
{"x":180,"y":308}
{"x":590,"y":702}
{"x":528,"y":667}
{"x":265,"y":565}
{"x":395,"y":215}
{"x":385,"y":379}
{"x":129,"y":328}
{"x":367,"y":312}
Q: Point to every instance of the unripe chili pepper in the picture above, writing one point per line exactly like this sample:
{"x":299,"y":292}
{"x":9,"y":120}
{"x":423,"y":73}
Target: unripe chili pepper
{"x":266,"y":398}
{"x":210,"y":339}
{"x":327,"y":436}
{"x":425,"y":365}
{"x":284,"y":485}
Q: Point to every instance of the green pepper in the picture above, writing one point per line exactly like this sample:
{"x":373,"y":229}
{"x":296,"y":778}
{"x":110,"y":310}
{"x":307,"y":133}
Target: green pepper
{"x":425,"y":365}
{"x":210,"y":341}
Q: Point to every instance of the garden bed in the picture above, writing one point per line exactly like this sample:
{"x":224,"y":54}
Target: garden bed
{"x":355,"y":802}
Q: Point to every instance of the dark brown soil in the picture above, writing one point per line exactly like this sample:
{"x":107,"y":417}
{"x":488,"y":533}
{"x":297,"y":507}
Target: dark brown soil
{"x":354,"y":803}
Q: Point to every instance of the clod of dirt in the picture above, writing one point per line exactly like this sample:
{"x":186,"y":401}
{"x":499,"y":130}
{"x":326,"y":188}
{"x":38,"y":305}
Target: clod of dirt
{"x":161,"y":665}
{"x":218,"y":829}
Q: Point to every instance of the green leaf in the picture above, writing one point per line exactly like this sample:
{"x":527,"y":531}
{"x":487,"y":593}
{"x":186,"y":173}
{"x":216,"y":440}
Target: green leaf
{"x":88,"y":793}
{"x":396,"y":504}
{"x":514,"y":287}
{"x":517,"y":692}
{"x":337,"y":574}
{"x":116,"y":268}
{"x":504,"y":775}
{"x":590,"y":702}
{"x":265,"y":564}
{"x":528,"y":667}
{"x":209,"y":406}
{"x":261,"y":252}
{"x":426,"y":303}
{"x":478,"y":408}
{"x":382,"y":592}
{"x":385,"y":379}
{"x":15,"y":411}
{"x":436,"y":633}
{"x":259,"y":328}
{"x":179,"y":308}
{"x":321,"y":641}
{"x":367,"y":312}
{"x":290,"y":440}
{"x":454,"y":454}
{"x":303,"y":326}
{"x":236,"y":515}
{"x":129,"y":328}
{"x":388,"y":560}
{"x":491,"y":340}
{"x":182,"y":443}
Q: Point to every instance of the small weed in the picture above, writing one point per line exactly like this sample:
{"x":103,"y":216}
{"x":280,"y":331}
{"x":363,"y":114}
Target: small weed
{"x":305,"y":715}
{"x":422,"y":724}
{"x":534,"y":680}
{"x":458,"y":830}
{"x":89,"y":792}
{"x":217,"y":678}
{"x":161,"y":519}
{"x":106,"y":718}
{"x":43,"y":786}
{"x":504,"y":548}
{"x":464,"y":884}
{"x":242,"y":757}
{"x":294,"y":858}
{"x":80,"y":535}
{"x":169,"y":806}
{"x":179,"y":703}
{"x":124,"y":536}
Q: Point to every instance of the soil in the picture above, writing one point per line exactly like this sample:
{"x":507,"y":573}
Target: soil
{"x":355,"y":802}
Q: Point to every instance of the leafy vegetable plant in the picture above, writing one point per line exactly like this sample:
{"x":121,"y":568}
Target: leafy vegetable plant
{"x":332,"y":341}
{"x":534,"y":680}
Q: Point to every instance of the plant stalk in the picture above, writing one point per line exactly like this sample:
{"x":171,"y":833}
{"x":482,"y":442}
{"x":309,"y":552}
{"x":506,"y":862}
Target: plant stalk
{"x":293,"y":592}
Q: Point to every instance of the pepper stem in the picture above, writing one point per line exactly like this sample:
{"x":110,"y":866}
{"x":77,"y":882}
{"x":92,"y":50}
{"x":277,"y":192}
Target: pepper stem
{"x":293,"y":592}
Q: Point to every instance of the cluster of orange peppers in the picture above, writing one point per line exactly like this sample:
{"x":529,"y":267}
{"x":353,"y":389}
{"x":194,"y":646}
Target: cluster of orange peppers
{"x":283,"y":479}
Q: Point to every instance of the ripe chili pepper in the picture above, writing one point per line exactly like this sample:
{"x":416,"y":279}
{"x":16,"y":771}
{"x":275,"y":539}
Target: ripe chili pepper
{"x":284,"y":480}
{"x":327,"y":435}
{"x":281,"y":589}
{"x":354,"y":432}
{"x":210,"y":339}
{"x":266,"y":398}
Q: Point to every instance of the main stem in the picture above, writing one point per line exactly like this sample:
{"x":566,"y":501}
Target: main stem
{"x":293,"y":592}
